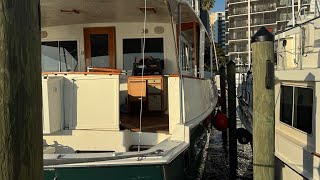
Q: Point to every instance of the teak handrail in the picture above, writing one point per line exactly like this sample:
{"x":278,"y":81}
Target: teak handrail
{"x":96,"y":69}
{"x":83,"y":73}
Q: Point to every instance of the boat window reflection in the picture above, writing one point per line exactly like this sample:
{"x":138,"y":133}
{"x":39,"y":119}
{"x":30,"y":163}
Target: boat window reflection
{"x":132,"y":50}
{"x":59,"y":56}
{"x":296,"y":107}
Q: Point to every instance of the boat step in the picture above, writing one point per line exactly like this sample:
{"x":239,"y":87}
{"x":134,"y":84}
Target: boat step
{"x":142,"y":147}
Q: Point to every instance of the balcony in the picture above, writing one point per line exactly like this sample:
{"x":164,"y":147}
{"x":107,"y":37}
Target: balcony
{"x":238,"y":36}
{"x":238,"y":49}
{"x":284,"y":16}
{"x":261,"y":21}
{"x":263,"y":7}
{"x":238,"y":11}
{"x":240,"y":23}
{"x":284,"y":3}
{"x":236,"y":1}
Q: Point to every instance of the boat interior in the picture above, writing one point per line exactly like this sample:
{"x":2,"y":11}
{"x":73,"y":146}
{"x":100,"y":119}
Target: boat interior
{"x":93,"y":88}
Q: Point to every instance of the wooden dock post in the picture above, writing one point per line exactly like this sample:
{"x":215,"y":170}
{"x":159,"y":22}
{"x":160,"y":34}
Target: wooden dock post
{"x":20,"y":91}
{"x":233,"y":156}
{"x":263,"y":104}
{"x":222,"y":72}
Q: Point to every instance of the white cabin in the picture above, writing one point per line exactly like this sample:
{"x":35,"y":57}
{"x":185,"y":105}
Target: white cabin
{"x":91,"y":100}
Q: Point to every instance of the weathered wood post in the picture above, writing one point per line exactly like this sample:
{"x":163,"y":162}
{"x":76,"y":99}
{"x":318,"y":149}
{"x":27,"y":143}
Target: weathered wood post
{"x":233,"y":158}
{"x":263,"y":104}
{"x":222,"y":72}
{"x":20,"y":90}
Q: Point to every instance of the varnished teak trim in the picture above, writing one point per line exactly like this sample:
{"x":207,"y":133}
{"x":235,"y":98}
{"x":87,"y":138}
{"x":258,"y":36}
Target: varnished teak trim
{"x":146,"y":77}
{"x":83,"y":73}
{"x":105,"y":70}
{"x":111,"y":43}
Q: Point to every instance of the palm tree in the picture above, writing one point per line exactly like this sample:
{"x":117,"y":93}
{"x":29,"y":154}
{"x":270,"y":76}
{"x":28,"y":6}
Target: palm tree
{"x":206,"y":5}
{"x":221,"y":57}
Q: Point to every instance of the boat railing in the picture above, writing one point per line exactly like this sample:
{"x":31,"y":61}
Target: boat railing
{"x":299,"y":47}
{"x":195,"y":5}
{"x":193,"y":89}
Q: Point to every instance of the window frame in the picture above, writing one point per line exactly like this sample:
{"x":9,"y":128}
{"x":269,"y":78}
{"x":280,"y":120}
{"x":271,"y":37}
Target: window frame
{"x":189,"y":57}
{"x":65,"y":39}
{"x":111,"y":31}
{"x":141,"y":37}
{"x":294,"y":86}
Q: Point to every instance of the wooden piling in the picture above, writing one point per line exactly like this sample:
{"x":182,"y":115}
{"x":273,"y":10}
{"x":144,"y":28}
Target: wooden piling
{"x":222,"y":72}
{"x":233,"y":158}
{"x":263,"y":105}
{"x":20,"y":91}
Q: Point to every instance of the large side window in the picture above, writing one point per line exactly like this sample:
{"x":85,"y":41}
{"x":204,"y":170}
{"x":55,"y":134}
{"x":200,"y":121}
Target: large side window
{"x":59,"y":56}
{"x":132,"y":50}
{"x":302,"y":118}
{"x":296,"y":107}
{"x":286,"y":104}
{"x":187,"y":64}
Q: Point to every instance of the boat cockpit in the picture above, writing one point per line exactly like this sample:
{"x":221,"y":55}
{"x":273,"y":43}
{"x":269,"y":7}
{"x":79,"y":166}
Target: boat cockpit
{"x":92,"y":62}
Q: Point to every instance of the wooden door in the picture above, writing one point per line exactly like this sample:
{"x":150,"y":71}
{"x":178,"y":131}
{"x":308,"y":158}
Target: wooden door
{"x":100,"y":47}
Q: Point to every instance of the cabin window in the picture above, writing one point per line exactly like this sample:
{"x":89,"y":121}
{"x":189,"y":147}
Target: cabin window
{"x":59,"y":56}
{"x":132,"y":50}
{"x":187,"y":55}
{"x":296,"y":107}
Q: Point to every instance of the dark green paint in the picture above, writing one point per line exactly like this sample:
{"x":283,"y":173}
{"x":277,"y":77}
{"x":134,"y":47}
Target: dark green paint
{"x":106,"y":173}
{"x":185,"y":166}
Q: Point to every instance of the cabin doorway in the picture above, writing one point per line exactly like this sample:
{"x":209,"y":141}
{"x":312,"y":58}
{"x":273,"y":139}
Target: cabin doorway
{"x":100,"y":47}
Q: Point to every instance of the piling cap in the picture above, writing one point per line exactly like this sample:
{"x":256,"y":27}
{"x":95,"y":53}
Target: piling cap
{"x":262,"y":35}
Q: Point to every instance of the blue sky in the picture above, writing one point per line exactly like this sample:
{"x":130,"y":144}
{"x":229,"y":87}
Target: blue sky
{"x":218,"y":6}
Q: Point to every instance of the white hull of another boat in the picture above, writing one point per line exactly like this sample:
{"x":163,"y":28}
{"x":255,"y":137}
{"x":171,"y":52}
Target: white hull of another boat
{"x":297,"y":129}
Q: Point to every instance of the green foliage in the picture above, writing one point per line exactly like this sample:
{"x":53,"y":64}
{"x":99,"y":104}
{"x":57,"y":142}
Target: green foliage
{"x":221,"y":57}
{"x":207,"y":4}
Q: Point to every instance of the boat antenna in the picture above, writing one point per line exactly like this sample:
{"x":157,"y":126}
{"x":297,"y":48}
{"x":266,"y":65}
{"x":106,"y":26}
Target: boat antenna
{"x":142,"y":72}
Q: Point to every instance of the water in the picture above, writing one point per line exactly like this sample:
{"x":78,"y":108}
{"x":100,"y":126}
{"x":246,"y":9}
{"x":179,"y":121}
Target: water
{"x":216,"y":164}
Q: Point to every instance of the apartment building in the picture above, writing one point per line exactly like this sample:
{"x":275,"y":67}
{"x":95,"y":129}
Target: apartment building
{"x":272,"y":14}
{"x":218,"y":28}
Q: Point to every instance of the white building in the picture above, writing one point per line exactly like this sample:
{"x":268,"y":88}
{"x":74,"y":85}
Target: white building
{"x":272,"y":14}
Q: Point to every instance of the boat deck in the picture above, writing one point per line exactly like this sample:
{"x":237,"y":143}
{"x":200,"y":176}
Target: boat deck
{"x":150,"y":123}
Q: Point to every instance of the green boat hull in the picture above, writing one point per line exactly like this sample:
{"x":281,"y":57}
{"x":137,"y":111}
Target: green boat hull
{"x":184,"y":166}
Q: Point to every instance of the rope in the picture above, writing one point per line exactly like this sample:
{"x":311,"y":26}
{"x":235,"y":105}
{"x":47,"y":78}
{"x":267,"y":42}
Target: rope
{"x":142,"y":84}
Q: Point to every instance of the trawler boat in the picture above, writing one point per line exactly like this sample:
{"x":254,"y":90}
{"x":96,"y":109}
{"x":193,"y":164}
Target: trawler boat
{"x":297,"y":130}
{"x":297,"y":140}
{"x":124,"y":91}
